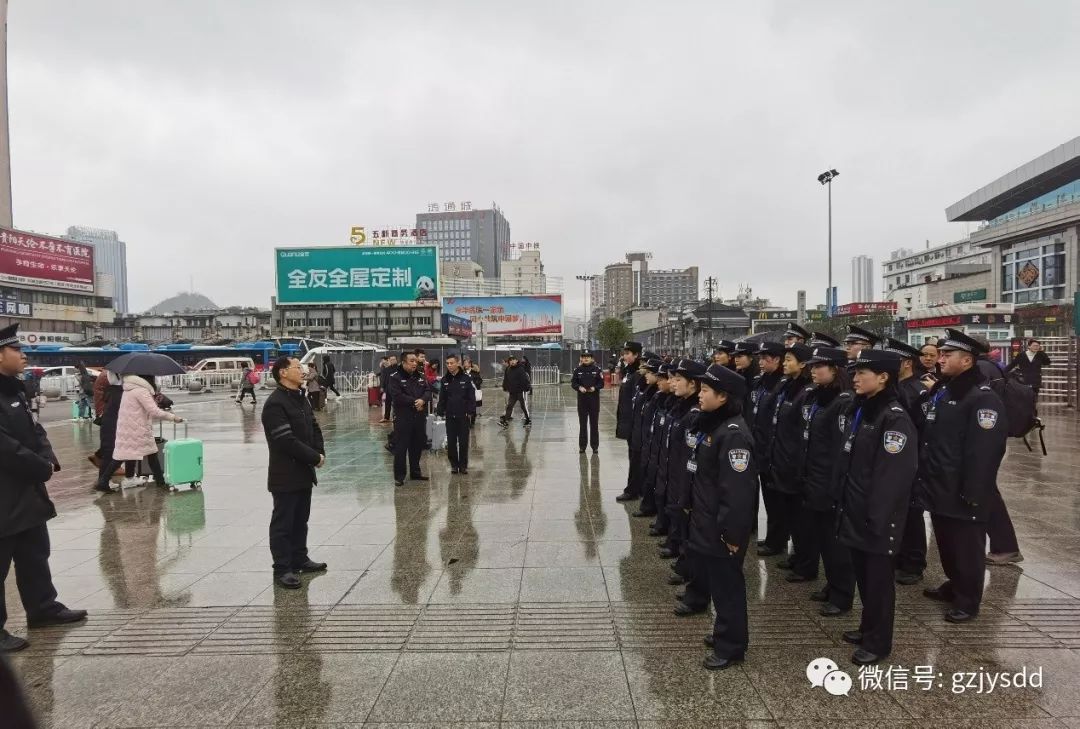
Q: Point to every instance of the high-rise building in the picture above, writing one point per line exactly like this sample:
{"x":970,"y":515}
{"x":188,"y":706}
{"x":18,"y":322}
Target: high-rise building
{"x":482,"y":236}
{"x":524,"y":275}
{"x":110,"y":257}
{"x":862,"y":278}
{"x":596,"y":297}
{"x":618,"y":289}
{"x":671,"y":288}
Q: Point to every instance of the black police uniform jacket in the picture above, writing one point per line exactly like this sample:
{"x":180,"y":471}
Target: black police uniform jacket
{"x":516,"y":380}
{"x":763,"y":399}
{"x":789,"y":421}
{"x":875,"y":471}
{"x":962,"y":444}
{"x":294,"y":439}
{"x":457,"y":397}
{"x":587,"y":376}
{"x":27,"y":461}
{"x":723,"y":484}
{"x":683,"y":417}
{"x":624,"y":415}
{"x":824,"y":437}
{"x":645,"y":422}
{"x":643,"y":396}
{"x":650,"y":454}
{"x":677,"y":407}
{"x":911,"y":394}
{"x":404,"y":390}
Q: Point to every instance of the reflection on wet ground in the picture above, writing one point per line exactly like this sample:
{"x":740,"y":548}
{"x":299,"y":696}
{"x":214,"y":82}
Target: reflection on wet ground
{"x":519,"y":593}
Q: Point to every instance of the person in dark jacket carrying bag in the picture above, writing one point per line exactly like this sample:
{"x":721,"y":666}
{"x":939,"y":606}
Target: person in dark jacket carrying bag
{"x":27,"y":462}
{"x":296,"y":451}
{"x":409,"y":391}
{"x":587,"y":381}
{"x":457,"y":403}
{"x":1031,"y":363}
{"x":723,"y":491}
{"x":624,"y":414}
{"x":517,"y":384}
{"x":875,"y":470}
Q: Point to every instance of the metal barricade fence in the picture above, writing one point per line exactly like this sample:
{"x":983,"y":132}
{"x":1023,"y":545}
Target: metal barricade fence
{"x":545,"y":376}
{"x":1058,"y":383}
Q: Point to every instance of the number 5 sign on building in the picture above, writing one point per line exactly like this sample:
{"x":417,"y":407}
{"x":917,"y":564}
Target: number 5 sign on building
{"x":357,"y":275}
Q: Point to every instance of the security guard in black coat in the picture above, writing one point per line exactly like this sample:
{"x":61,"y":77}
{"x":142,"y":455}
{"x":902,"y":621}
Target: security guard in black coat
{"x":408,"y":390}
{"x":661,"y":427}
{"x":857,"y":340}
{"x":912,"y":395}
{"x":654,"y":416}
{"x":457,"y":403}
{"x":875,"y":471}
{"x":963,"y":442}
{"x":745,"y":365}
{"x":587,"y":381}
{"x":724,"y":487}
{"x":821,"y":339}
{"x":683,"y":414}
{"x":763,"y":401}
{"x":27,"y":462}
{"x":789,"y":422}
{"x":624,"y":414}
{"x":639,"y":437}
{"x":795,"y":334}
{"x":823,"y":436}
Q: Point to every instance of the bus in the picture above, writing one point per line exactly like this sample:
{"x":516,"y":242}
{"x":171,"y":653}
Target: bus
{"x":262,"y":353}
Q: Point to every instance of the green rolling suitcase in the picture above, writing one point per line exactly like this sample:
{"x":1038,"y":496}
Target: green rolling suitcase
{"x":183,"y":461}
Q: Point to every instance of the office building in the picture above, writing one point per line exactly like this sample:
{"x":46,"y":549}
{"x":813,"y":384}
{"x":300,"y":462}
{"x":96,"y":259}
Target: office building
{"x":523,"y":275}
{"x":110,"y":257}
{"x":481,"y":236}
{"x":596,"y":296}
{"x":671,"y":288}
{"x":862,"y":278}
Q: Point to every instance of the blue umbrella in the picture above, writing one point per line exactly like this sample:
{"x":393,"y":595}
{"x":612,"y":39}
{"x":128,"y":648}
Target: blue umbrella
{"x":145,"y":363}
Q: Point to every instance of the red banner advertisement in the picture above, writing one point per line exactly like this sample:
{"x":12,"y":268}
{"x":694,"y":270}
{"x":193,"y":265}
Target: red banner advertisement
{"x":29,"y":259}
{"x":866,"y":307}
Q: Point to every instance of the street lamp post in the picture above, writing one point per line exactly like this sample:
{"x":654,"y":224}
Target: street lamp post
{"x":826,"y":178}
{"x":585,"y":280}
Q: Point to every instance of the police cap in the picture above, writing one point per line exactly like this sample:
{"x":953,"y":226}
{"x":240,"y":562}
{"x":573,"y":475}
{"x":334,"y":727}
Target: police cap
{"x":828,"y":355}
{"x":956,"y":339}
{"x":794,"y":330}
{"x":725,"y":345}
{"x":747,"y":348}
{"x":801,"y":351}
{"x":690,"y":368}
{"x":878,"y":360}
{"x":634,"y":347}
{"x":903,"y":349}
{"x":821,"y":339}
{"x":722,"y":379}
{"x":858,"y":334}
{"x":9,"y":335}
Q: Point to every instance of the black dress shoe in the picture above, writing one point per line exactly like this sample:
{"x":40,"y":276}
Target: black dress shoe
{"x":937,"y":593}
{"x":852,"y":636}
{"x":463,"y":470}
{"x":419,"y":478}
{"x":794,"y":577}
{"x":311,"y":566}
{"x":582,"y":451}
{"x":11,"y":643}
{"x":288,"y":580}
{"x":680,"y":595}
{"x":621,"y":498}
{"x":683,"y":610}
{"x":595,"y":451}
{"x":398,"y":482}
{"x":715,"y":663}
{"x":863,"y":657}
{"x":821,"y":595}
{"x":61,"y":617}
{"x":103,"y":488}
{"x":453,"y":470}
{"x":767,"y":552}
{"x":676,"y":580}
{"x":666,"y":553}
{"x":828,"y":610}
{"x":709,"y":640}
{"x":785,"y":564}
{"x":958,"y":616}
{"x":761,"y":543}
{"x":907,"y":578}
{"x":642,"y":514}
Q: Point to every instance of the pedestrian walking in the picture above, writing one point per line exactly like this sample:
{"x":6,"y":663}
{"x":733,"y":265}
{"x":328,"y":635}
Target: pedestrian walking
{"x":473,"y":371}
{"x":27,"y":462}
{"x":410,"y":394}
{"x":296,"y":447}
{"x":386,"y":368}
{"x":314,"y":389}
{"x":517,"y":385}
{"x":1030,"y":364}
{"x":329,"y":376}
{"x":86,"y":392}
{"x":248,"y":378}
{"x":457,"y":403}
{"x":112,"y":396}
{"x":135,"y":429}
{"x":587,"y":381}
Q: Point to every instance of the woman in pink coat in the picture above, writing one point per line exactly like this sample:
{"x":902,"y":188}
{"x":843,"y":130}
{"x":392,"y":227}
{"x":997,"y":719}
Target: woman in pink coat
{"x":135,"y":427}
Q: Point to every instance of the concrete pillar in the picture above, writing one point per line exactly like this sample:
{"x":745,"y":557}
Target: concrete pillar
{"x":5,"y":142}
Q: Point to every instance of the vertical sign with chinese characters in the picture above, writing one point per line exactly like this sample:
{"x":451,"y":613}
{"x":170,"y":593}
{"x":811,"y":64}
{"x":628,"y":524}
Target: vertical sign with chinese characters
{"x":357,"y":275}
{"x":29,"y":259}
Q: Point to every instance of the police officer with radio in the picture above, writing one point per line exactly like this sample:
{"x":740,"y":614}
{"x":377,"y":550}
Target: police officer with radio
{"x":876,"y":468}
{"x":410,"y":393}
{"x":624,"y":414}
{"x":963,"y":442}
{"x":587,"y":381}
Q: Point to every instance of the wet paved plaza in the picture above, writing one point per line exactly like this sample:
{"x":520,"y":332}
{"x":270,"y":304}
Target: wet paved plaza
{"x":521,"y":594}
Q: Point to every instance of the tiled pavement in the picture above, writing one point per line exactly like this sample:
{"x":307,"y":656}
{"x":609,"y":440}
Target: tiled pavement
{"x":519,"y":595}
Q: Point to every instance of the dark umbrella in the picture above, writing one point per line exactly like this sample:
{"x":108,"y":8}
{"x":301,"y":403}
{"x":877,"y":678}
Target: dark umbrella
{"x":145,"y":363}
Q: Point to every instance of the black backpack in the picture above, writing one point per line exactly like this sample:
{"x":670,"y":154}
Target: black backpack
{"x":1019,"y":399}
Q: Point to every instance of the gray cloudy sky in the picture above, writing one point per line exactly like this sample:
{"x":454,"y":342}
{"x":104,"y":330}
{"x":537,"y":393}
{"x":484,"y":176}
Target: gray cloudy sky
{"x":208,"y":132}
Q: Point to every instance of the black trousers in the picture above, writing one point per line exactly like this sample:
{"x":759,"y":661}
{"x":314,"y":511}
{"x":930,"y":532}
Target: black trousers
{"x":457,"y":441}
{"x":246,"y":390}
{"x":807,"y":538}
{"x":962,"y":546}
{"x":722,"y":580}
{"x":29,"y":550}
{"x":409,"y":439}
{"x":109,"y":468}
{"x":912,"y":556}
{"x":633,"y":474}
{"x":387,"y":405}
{"x":877,"y":591}
{"x":788,"y":510}
{"x":648,"y":484}
{"x":776,"y":535}
{"x":1000,"y":527}
{"x":839,"y":574}
{"x":289,"y":528}
{"x":512,"y":399}
{"x":588,"y":414}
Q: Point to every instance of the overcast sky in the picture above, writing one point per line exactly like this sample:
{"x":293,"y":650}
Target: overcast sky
{"x":209,"y":132}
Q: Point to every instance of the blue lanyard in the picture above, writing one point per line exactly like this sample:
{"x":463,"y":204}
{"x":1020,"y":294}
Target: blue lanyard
{"x":813,"y":409}
{"x":940,"y":394}
{"x":855,"y":422}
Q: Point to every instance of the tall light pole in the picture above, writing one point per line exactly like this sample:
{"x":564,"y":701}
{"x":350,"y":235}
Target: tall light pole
{"x":826,"y":178}
{"x":586,"y":279}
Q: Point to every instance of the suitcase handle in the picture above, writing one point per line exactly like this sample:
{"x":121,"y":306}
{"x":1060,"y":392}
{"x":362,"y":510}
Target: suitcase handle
{"x":161,"y":429}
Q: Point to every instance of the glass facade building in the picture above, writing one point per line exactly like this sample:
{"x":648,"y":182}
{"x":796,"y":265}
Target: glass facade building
{"x":110,"y":257}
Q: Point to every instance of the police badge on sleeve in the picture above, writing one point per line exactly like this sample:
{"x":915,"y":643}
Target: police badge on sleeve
{"x":894,"y":441}
{"x":987,"y":419}
{"x":739,"y":458}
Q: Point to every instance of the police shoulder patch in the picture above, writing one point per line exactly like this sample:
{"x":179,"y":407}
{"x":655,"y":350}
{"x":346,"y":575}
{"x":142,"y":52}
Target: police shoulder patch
{"x":894,"y":441}
{"x":739,"y":458}
{"x":987,"y":418}
{"x":733,"y":426}
{"x":897,"y":409}
{"x":842,"y":422}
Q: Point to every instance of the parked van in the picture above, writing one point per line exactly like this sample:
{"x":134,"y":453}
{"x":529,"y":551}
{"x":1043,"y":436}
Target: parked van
{"x":223,"y":364}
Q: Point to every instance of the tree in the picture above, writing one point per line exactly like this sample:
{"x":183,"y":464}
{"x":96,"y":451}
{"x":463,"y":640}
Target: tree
{"x":612,"y":333}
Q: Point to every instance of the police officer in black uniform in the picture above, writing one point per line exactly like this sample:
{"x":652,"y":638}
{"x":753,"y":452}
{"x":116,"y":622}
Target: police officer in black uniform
{"x":963,"y":442}
{"x":823,"y":436}
{"x":654,"y":416}
{"x":457,"y":403}
{"x":408,"y":390}
{"x":723,"y":481}
{"x":641,"y":438}
{"x":659,"y":449}
{"x":677,"y":484}
{"x":912,"y":395}
{"x":876,"y":468}
{"x":821,"y":339}
{"x":857,"y":340}
{"x":795,"y":334}
{"x":624,"y":415}
{"x":745,"y":365}
{"x":763,"y":401}
{"x":587,"y":381}
{"x":723,"y":353}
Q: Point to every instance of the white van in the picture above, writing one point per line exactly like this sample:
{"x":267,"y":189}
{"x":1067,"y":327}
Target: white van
{"x":232,"y":365}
